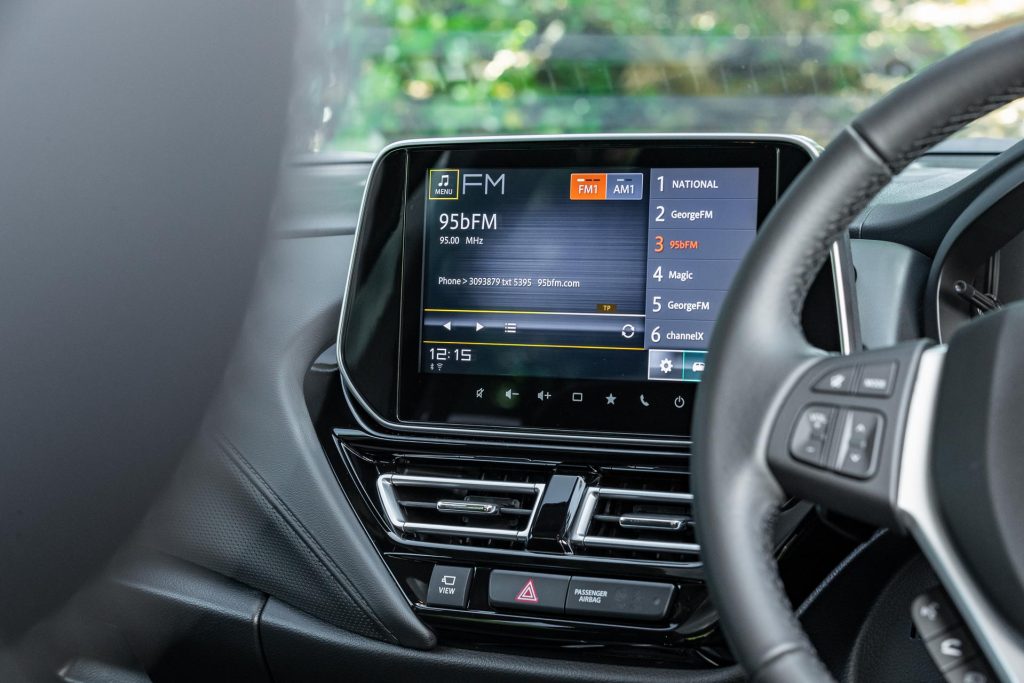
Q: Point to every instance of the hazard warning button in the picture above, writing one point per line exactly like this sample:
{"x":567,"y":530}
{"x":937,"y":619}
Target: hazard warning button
{"x":526,"y":591}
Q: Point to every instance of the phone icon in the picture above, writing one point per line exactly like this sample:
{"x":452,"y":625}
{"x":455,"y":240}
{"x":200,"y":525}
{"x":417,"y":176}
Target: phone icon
{"x":643,"y":401}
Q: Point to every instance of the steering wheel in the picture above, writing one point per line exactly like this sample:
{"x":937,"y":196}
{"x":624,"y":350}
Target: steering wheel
{"x":920,"y":437}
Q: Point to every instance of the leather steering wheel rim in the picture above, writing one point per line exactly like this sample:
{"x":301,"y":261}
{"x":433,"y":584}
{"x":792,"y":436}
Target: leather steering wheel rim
{"x":759,"y":347}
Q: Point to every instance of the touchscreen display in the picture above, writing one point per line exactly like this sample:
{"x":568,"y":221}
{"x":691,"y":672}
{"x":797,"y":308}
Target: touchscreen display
{"x":613,"y":273}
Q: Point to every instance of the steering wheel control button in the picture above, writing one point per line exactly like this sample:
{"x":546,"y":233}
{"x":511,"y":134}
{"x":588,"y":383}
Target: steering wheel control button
{"x":809,"y":442}
{"x":449,"y":587}
{"x":618,"y":599}
{"x":933,"y":614}
{"x":877,"y":379}
{"x":837,"y":381}
{"x":950,"y":650}
{"x":528,"y":591}
{"x":857,"y":443}
{"x":972,"y":672}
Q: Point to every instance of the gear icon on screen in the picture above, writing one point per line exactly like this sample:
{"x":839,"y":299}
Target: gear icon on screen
{"x":666,"y":365}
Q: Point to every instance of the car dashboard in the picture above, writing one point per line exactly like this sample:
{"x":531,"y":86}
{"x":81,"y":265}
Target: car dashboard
{"x":510,"y":519}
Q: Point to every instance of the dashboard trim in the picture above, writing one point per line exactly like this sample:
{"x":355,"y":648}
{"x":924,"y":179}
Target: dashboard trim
{"x":841,"y":284}
{"x":386,"y":484}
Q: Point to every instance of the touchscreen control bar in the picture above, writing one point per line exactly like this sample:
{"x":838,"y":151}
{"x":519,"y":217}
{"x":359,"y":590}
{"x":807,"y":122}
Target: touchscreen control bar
{"x":552,"y":330}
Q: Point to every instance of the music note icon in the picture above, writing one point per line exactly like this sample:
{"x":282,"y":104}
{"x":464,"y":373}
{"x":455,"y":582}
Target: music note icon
{"x":443,"y":183}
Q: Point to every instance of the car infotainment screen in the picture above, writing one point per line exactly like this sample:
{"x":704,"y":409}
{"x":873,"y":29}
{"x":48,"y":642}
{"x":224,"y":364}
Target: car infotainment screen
{"x":598,"y":273}
{"x":556,"y":284}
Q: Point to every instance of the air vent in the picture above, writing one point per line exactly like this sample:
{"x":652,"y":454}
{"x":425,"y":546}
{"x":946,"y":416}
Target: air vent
{"x":655,"y":525}
{"x":462,"y":508}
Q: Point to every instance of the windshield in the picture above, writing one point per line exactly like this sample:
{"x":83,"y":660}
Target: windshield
{"x":376,"y":71}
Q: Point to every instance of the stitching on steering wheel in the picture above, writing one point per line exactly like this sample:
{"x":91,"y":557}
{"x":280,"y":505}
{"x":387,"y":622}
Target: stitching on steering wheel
{"x":955,"y":122}
{"x":778,"y":590}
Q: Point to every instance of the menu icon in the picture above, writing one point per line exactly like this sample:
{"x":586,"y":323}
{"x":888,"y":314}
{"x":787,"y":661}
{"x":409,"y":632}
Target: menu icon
{"x":443,"y":183}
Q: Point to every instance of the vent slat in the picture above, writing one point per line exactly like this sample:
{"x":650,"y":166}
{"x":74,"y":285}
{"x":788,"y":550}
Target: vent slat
{"x":497,"y":510}
{"x":636,"y":523}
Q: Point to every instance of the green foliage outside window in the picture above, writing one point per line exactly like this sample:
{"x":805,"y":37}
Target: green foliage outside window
{"x":388,"y":69}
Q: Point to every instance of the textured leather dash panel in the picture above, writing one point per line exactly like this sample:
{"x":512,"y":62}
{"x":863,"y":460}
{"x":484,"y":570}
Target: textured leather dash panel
{"x":256,"y":499}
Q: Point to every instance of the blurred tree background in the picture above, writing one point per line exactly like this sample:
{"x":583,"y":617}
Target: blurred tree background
{"x":382,"y":70}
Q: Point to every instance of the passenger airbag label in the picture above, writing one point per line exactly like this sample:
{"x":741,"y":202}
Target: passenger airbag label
{"x":590,"y":595}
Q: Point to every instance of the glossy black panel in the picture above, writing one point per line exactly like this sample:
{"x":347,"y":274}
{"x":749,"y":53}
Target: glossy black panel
{"x":687,"y":638}
{"x":550,"y":531}
{"x":370,"y":319}
{"x":608,"y":405}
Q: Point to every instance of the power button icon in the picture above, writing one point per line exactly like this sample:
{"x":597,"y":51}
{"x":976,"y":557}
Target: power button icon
{"x":679,"y":402}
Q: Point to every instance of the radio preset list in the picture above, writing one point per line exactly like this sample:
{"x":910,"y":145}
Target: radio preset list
{"x":701,"y":222}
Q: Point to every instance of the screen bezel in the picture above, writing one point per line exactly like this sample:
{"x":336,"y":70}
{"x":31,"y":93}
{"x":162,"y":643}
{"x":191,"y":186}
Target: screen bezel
{"x":428,"y":399}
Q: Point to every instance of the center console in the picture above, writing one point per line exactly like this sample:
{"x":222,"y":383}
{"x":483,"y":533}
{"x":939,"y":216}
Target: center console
{"x":524,"y":333}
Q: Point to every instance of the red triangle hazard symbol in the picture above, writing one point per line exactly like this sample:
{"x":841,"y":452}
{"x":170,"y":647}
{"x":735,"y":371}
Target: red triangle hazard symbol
{"x":528,"y":593}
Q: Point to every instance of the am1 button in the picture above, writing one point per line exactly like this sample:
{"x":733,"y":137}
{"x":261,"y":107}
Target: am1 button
{"x":449,"y":587}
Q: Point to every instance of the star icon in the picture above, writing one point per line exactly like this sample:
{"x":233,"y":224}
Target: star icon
{"x":611,"y":399}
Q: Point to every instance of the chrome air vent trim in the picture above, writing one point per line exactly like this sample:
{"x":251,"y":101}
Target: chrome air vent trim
{"x":582,"y":539}
{"x":388,"y":485}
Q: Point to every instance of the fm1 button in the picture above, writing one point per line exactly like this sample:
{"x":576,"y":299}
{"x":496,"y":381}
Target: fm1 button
{"x":449,"y":587}
{"x":837,"y":381}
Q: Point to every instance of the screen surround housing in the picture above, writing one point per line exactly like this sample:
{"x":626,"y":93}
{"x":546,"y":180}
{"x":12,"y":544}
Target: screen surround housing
{"x":379,"y":334}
